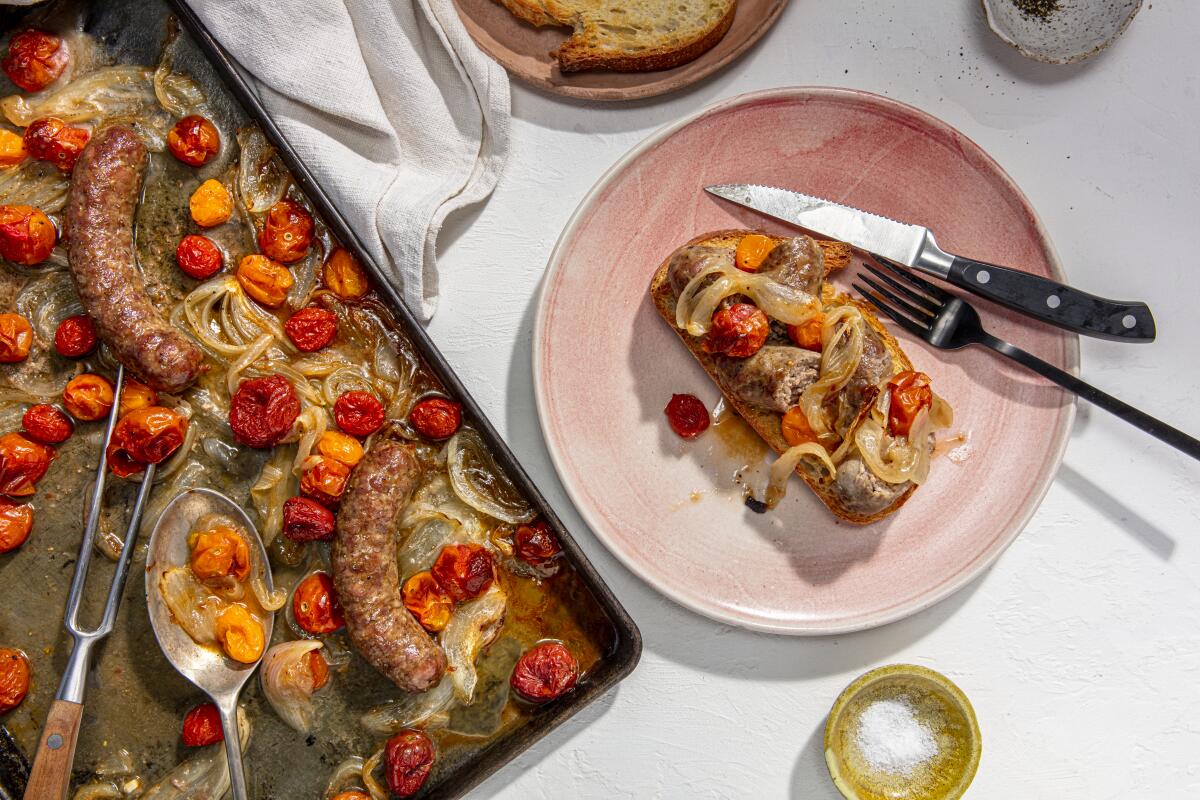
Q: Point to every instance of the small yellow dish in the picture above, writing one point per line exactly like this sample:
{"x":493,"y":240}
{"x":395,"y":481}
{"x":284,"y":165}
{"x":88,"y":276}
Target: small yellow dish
{"x":902,"y":732}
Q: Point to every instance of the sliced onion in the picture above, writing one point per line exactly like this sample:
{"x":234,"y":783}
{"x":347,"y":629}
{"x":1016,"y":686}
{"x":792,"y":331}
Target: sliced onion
{"x":843,"y":336}
{"x":411,"y":710}
{"x":192,"y":605}
{"x":695,"y":307}
{"x":46,"y":301}
{"x":108,"y":92}
{"x":426,"y":540}
{"x":262,"y":179}
{"x":312,"y":424}
{"x":346,"y":775}
{"x":204,"y":776}
{"x":275,"y":484}
{"x":176,"y":92}
{"x":472,"y":628}
{"x":99,"y":790}
{"x":786,"y":464}
{"x":374,"y":788}
{"x":35,"y":183}
{"x":892,"y":459}
{"x":480,"y":483}
{"x":287,"y":682}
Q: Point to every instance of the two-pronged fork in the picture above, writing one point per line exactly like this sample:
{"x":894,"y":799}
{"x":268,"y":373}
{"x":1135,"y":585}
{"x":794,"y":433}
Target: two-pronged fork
{"x":949,"y":322}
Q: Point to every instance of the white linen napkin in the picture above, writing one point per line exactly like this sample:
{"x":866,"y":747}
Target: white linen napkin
{"x":391,"y":105}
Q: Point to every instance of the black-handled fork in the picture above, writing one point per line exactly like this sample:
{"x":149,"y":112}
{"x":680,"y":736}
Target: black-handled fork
{"x":951,"y":323}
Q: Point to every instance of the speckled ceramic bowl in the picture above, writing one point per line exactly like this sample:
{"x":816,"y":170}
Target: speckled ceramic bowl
{"x":1074,"y":31}
{"x":942,"y":710}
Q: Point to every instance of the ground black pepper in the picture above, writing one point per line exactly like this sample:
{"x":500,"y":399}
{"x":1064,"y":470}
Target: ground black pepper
{"x":1036,"y":8}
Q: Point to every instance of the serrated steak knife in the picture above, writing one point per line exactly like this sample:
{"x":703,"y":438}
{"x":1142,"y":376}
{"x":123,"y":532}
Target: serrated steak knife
{"x":915,"y":247}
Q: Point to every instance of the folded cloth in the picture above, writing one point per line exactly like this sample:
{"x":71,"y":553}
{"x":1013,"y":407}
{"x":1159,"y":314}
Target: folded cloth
{"x":395,"y":110}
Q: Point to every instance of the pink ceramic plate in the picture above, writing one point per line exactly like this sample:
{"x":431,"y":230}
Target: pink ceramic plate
{"x":605,"y":365}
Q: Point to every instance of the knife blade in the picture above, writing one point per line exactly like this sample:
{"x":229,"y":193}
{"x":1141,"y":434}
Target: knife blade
{"x":916,"y":247}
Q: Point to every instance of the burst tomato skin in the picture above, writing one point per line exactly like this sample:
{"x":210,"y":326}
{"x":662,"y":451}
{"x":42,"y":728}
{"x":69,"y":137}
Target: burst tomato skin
{"x":545,"y":672}
{"x":35,"y":59}
{"x":910,"y":394}
{"x":358,"y":413}
{"x":287,"y":232}
{"x":427,"y":601}
{"x":194,"y":140}
{"x":263,"y":410}
{"x":738,"y":331}
{"x":23,"y":462}
{"x":75,"y":336}
{"x":315,"y":605}
{"x":51,"y":139}
{"x":16,"y":521}
{"x":344,"y":276}
{"x":306,"y":520}
{"x":264,"y":279}
{"x":88,"y":397}
{"x":16,"y":338}
{"x":202,"y":726}
{"x":198,"y":257}
{"x":311,"y":328}
{"x":536,"y":544}
{"x":27,"y":236}
{"x":145,"y":436}
{"x":14,"y":678}
{"x":436,"y":418}
{"x":408,"y":759}
{"x":687,"y":415}
{"x":464,"y":571}
{"x":324,"y":480}
{"x":46,"y":424}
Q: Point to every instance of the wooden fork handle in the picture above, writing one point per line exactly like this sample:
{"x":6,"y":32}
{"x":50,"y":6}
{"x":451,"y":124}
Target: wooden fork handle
{"x":51,"y":775}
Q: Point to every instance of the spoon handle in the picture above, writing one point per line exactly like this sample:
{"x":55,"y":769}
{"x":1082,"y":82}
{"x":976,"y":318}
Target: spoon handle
{"x":233,"y":749}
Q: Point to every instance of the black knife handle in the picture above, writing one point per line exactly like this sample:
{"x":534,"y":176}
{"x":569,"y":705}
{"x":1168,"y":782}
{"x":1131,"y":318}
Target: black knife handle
{"x":1054,"y":302}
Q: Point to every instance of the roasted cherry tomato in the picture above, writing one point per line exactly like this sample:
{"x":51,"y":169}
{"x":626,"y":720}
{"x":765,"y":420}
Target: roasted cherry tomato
{"x":194,"y":140}
{"x":241,"y":635}
{"x":88,"y":397}
{"x":317,"y":668}
{"x":23,"y":462}
{"x":311,"y":328}
{"x":427,"y":601}
{"x":218,"y":553}
{"x":407,"y":760}
{"x":16,"y":521}
{"x":51,"y":139}
{"x":752,"y":251}
{"x":287,"y":232}
{"x":145,"y":436}
{"x":75,"y":336}
{"x":35,"y":59}
{"x":358,"y":413}
{"x":16,"y":337}
{"x":27,"y":236}
{"x":135,"y":395}
{"x":14,"y":678}
{"x":265,"y":280}
{"x":738,"y":331}
{"x":46,"y":424}
{"x":211,"y":204}
{"x":436,"y":418}
{"x":263,"y":410}
{"x":315,"y":605}
{"x":464,"y":571}
{"x":795,"y":428}
{"x":344,"y":276}
{"x":687,"y":415}
{"x":198,"y":257}
{"x":910,"y":394}
{"x":340,"y":447}
{"x":324,"y":479}
{"x":202,"y":726}
{"x":306,"y":520}
{"x":351,"y":794}
{"x":536,"y":544}
{"x":12,"y":149}
{"x":545,"y":672}
{"x":808,"y":333}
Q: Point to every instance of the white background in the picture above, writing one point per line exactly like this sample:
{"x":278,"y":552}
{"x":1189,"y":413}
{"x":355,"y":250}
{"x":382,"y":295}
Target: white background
{"x":1080,"y":649}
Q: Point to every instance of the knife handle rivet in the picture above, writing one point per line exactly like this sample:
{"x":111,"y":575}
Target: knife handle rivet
{"x":1128,"y":321}
{"x":983,"y":276}
{"x":1054,"y":301}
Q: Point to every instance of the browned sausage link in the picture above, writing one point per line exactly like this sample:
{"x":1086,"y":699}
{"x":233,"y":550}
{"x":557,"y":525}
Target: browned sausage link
{"x":365,"y":574}
{"x":99,"y":219}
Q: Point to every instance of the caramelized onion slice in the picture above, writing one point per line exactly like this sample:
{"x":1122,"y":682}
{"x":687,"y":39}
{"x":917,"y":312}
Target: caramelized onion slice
{"x":480,"y":483}
{"x":786,"y":464}
{"x":411,"y":710}
{"x":287,"y":682}
{"x":472,"y":628}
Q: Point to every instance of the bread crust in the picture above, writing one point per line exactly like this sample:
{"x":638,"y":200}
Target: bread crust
{"x":767,"y":424}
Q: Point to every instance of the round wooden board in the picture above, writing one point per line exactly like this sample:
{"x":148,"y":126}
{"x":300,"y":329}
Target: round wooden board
{"x":524,"y":51}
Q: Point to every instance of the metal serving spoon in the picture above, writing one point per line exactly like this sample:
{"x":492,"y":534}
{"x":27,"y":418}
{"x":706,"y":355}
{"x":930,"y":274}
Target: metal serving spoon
{"x":221,"y":678}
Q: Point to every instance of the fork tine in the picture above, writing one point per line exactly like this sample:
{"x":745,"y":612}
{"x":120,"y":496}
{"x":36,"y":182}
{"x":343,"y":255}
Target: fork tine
{"x":911,"y":275}
{"x":926,"y":304}
{"x":901,"y":320}
{"x":918,"y":313}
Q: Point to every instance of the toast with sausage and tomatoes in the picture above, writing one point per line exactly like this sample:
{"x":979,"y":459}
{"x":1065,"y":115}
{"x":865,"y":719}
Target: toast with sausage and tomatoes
{"x":810,"y":369}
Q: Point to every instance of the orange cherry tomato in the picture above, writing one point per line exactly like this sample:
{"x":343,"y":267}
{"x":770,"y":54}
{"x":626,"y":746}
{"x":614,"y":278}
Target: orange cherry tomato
{"x":351,"y":794}
{"x":14,"y":678}
{"x":808,"y":333}
{"x":75,"y":336}
{"x":315,"y":605}
{"x":358,"y":413}
{"x":265,"y":280}
{"x":436,"y":418}
{"x":16,"y":337}
{"x":738,"y":331}
{"x":145,"y":436}
{"x":16,"y":521}
{"x":427,"y":601}
{"x":287,"y":232}
{"x":27,"y":236}
{"x":51,"y":139}
{"x":324,"y":480}
{"x":35,"y":59}
{"x":464,"y":571}
{"x":211,"y":204}
{"x":23,"y":462}
{"x":194,"y":140}
{"x":752,"y":251}
{"x":795,"y":427}
{"x":344,"y":276}
{"x":88,"y":397}
{"x":311,"y":328}
{"x":910,"y":394}
{"x":340,"y":447}
{"x":198,"y":257}
{"x":218,"y":553}
{"x":12,"y":149}
{"x":46,"y":424}
{"x":202,"y":726}
{"x":135,"y":395}
{"x":241,"y":635}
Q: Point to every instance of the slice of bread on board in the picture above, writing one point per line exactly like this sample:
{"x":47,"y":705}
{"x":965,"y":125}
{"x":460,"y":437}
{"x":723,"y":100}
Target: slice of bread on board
{"x":766,"y":423}
{"x":629,"y":35}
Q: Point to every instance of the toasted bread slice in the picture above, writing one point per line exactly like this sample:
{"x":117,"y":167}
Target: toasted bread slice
{"x":766,"y":423}
{"x":629,"y":35}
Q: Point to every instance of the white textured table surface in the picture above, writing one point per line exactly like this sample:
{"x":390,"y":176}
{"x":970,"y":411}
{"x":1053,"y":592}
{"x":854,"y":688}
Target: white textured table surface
{"x":1080,"y":649}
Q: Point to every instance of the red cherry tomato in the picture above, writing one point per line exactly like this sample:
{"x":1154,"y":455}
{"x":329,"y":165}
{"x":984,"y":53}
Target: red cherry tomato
{"x":202,"y":726}
{"x":23,"y":462}
{"x":35,"y":59}
{"x":198,"y":257}
{"x":14,"y":678}
{"x":287,"y":232}
{"x":27,"y":236}
{"x":687,"y":415}
{"x":311,"y":328}
{"x":194,"y":140}
{"x":324,"y":479}
{"x":910,"y":394}
{"x":465,"y":571}
{"x":51,"y":139}
{"x":738,"y":331}
{"x":16,"y":521}
{"x":46,"y":424}
{"x":306,"y":520}
{"x":75,"y":336}
{"x":358,"y":413}
{"x":16,"y":338}
{"x":315,"y":605}
{"x":408,"y":758}
{"x":545,"y":672}
{"x":263,"y":410}
{"x":536,"y":544}
{"x":436,"y":418}
{"x":145,"y":436}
